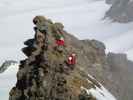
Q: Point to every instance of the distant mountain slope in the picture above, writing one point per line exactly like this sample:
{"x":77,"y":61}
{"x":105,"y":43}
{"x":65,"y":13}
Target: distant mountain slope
{"x":7,"y":64}
{"x":121,"y":70}
{"x":121,"y":10}
{"x":7,"y":80}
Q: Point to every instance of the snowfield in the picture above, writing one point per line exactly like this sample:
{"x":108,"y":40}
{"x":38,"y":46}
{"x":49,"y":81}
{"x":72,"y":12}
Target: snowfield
{"x":83,"y":18}
{"x":100,"y":93}
{"x":7,"y":81}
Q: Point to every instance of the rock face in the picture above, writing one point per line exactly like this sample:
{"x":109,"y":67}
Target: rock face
{"x":120,"y":11}
{"x":114,"y":71}
{"x":45,"y":74}
{"x":121,"y":71}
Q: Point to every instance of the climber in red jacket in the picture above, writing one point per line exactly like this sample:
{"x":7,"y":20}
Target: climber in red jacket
{"x":60,"y":41}
{"x":72,"y":59}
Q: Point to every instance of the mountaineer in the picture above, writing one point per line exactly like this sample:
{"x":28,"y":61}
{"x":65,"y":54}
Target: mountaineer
{"x":59,"y":36}
{"x":60,"y":41}
{"x":71,"y":61}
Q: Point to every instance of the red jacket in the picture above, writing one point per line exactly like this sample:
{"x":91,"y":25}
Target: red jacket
{"x":71,"y":60}
{"x":60,"y":42}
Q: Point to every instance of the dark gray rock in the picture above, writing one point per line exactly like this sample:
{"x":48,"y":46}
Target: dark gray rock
{"x":120,"y":10}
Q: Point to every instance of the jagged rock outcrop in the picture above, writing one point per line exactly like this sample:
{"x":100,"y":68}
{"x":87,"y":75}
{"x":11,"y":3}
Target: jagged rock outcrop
{"x":45,"y":74}
{"x":120,"y":10}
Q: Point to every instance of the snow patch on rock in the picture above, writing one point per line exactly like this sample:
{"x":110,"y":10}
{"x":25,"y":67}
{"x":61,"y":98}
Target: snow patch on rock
{"x":100,"y":93}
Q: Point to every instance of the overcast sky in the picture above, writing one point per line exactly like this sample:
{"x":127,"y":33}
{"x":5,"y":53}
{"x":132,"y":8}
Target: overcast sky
{"x":82,"y":18}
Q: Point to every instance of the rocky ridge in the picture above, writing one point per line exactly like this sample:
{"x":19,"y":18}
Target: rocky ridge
{"x":46,"y":66}
{"x":45,"y":73}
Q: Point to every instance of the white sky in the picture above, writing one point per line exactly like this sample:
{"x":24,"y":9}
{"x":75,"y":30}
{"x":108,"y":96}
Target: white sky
{"x":83,"y":18}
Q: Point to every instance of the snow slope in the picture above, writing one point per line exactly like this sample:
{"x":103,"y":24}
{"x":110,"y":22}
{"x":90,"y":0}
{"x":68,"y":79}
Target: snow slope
{"x":83,"y":18}
{"x":100,"y":93}
{"x":7,"y":81}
